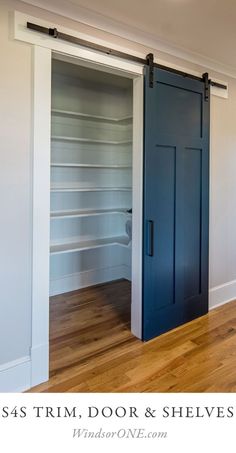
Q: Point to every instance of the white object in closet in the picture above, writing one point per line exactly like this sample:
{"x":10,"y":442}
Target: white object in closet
{"x":91,"y":185}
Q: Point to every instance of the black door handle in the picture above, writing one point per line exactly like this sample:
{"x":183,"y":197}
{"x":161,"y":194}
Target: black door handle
{"x":150,"y":237}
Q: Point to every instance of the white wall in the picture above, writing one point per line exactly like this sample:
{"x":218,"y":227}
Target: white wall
{"x":16,"y":184}
{"x":223,"y":189}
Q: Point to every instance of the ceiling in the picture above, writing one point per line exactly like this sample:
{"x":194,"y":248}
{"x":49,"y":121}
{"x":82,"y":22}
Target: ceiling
{"x":204,"y":27}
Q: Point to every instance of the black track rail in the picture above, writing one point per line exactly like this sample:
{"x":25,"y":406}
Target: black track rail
{"x":54,"y":33}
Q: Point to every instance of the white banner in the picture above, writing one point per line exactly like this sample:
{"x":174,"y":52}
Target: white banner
{"x":79,"y":422}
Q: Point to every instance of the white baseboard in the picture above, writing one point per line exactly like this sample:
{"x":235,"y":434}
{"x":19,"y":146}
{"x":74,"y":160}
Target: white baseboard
{"x":15,"y":376}
{"x":79,"y":280}
{"x":220,"y":295}
{"x":39,"y":364}
{"x":26,"y":372}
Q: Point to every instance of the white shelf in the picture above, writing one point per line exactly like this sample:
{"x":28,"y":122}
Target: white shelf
{"x":63,"y":138}
{"x":87,"y":213}
{"x":68,"y":113}
{"x":91,"y":189}
{"x":71,"y":165}
{"x":87,"y":245}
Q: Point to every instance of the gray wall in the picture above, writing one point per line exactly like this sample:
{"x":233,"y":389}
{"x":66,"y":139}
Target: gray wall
{"x":16,"y":182}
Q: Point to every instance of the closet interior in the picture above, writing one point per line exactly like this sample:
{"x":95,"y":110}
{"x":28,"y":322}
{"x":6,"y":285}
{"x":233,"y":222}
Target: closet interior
{"x":91,"y":177}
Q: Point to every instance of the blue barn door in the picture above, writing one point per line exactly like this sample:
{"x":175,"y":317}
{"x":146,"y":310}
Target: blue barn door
{"x":176,"y":193}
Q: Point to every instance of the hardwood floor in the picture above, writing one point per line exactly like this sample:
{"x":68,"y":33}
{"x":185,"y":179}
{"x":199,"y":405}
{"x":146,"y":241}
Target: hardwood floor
{"x":93,"y":350}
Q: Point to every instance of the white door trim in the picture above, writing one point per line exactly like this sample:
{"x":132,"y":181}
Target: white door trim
{"x":42,"y":53}
{"x":41,"y":214}
{"x":137,"y":204}
{"x":22,"y":33}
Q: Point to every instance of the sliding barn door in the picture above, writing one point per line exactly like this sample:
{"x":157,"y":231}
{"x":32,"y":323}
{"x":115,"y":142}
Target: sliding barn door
{"x":176,"y":184}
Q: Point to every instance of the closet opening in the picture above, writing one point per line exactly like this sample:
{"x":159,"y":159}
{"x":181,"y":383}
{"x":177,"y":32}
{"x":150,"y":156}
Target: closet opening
{"x":90,"y":210}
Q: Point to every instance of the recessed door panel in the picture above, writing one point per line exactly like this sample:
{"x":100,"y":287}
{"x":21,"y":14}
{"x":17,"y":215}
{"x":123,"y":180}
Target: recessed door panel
{"x":160,"y":225}
{"x":180,"y":116}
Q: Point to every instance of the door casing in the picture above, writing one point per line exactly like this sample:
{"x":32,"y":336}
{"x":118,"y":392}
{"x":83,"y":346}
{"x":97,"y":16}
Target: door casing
{"x":41,"y":204}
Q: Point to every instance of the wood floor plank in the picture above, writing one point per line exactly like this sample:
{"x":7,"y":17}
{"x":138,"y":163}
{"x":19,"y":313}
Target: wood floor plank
{"x":93,"y":350}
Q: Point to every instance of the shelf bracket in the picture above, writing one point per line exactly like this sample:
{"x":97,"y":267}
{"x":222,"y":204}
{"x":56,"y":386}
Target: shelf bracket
{"x":150,"y":63}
